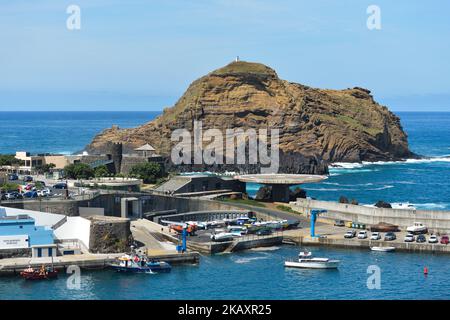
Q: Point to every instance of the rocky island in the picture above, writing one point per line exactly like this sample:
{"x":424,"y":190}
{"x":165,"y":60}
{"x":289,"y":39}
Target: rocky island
{"x":317,"y":126}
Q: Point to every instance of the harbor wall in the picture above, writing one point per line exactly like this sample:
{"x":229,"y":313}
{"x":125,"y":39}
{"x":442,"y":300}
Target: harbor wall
{"x":436,"y":221}
{"x":366,"y":244}
{"x":109,"y":201}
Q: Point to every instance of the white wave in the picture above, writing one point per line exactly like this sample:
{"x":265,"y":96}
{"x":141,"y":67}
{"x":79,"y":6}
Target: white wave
{"x":265,"y":248}
{"x":429,"y":160}
{"x":357,"y":165}
{"x":247,"y":260}
{"x":441,"y":205}
{"x":330,"y":189}
{"x":404,"y":182}
{"x":381,"y":188}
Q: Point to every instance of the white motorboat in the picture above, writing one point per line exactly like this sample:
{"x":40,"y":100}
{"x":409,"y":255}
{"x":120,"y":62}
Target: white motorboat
{"x":383,"y":249}
{"x":417,"y":228}
{"x":223,"y":236}
{"x":306,"y":260}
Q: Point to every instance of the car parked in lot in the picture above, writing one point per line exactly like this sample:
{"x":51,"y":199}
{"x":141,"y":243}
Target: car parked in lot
{"x":409,"y":238}
{"x":350,"y":234}
{"x":264,"y":232}
{"x":362,"y":234}
{"x":421,"y":238}
{"x":433,"y":239}
{"x":375,"y":236}
{"x":389,"y":236}
{"x":27,"y":179}
{"x":444,"y":239}
{"x":44,"y":192}
{"x":339,"y":223}
{"x":30,"y":194}
{"x":13,"y":176}
{"x":60,"y":185}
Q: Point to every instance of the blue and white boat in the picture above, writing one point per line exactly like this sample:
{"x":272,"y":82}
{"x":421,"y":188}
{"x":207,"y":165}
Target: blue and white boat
{"x":140,"y":264}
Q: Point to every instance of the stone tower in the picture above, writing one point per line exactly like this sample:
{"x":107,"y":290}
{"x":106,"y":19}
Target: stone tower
{"x":116,"y":156}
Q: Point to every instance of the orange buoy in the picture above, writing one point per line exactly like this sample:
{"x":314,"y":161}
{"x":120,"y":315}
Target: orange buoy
{"x":425,"y":271}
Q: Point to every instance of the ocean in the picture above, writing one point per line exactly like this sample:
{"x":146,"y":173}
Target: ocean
{"x":424,"y":183}
{"x":259,"y":273}
{"x":256,"y":274}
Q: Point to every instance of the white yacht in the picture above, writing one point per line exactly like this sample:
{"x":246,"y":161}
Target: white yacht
{"x":306,"y":260}
{"x":417,"y":228}
{"x":383,"y":249}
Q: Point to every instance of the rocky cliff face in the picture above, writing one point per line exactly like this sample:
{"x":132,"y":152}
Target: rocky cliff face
{"x":317,"y":126}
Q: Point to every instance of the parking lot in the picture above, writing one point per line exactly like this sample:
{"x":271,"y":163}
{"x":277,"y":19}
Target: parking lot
{"x":328,"y":230}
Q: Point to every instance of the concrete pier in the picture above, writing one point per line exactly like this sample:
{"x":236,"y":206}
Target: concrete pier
{"x":87,"y":261}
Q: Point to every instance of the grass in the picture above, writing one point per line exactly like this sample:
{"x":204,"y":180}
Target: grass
{"x":287,"y":209}
{"x":244,"y":67}
{"x":249,"y":202}
{"x":350,"y":122}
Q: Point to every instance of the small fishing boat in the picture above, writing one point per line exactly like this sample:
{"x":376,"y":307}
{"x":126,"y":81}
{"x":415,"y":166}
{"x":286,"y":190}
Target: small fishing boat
{"x":383,"y":249}
{"x":42,"y":273}
{"x":417,"y":228}
{"x":135,"y":263}
{"x":223,"y":236}
{"x":306,"y":260}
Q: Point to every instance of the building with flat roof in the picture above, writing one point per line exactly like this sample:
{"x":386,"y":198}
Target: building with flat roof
{"x":31,"y":162}
{"x":20,"y":232}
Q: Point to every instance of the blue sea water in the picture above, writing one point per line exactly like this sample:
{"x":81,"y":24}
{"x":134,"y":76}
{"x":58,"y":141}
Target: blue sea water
{"x":60,"y":132}
{"x":256,"y":274}
{"x":425,"y":183}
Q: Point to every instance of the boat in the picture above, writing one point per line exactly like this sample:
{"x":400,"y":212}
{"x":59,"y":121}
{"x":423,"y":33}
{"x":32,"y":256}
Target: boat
{"x":417,"y":228}
{"x":43,"y":273}
{"x":383,"y":249}
{"x":306,"y":260}
{"x":223,"y":236}
{"x":383,"y":227}
{"x":135,"y":263}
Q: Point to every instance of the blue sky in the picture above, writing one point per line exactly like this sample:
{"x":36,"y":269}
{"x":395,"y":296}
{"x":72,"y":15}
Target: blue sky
{"x":142,"y":55}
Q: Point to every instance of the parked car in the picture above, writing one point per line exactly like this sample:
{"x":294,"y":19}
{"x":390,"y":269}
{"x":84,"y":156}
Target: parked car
{"x":30,"y":194}
{"x":362,"y":234}
{"x":60,"y":185}
{"x":375,"y":236}
{"x":27,"y":179}
{"x":42,"y":193}
{"x":409,"y":238}
{"x":444,"y":239}
{"x":433,"y":239}
{"x":13,"y":176}
{"x":3,"y":196}
{"x":30,"y":187}
{"x":339,"y":223}
{"x":389,"y":236}
{"x":264,"y":232}
{"x":421,"y":238}
{"x":350,"y":234}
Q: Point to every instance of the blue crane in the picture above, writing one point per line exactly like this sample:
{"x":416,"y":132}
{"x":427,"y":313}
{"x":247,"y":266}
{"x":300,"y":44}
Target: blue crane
{"x":314,"y":214}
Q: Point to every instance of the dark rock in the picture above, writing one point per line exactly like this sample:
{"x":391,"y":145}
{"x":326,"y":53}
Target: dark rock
{"x":264,"y":194}
{"x":297,"y":193}
{"x":343,"y":199}
{"x":382,"y":204}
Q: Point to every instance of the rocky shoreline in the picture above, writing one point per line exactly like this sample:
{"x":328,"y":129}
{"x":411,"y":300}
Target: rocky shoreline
{"x":317,"y":126}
